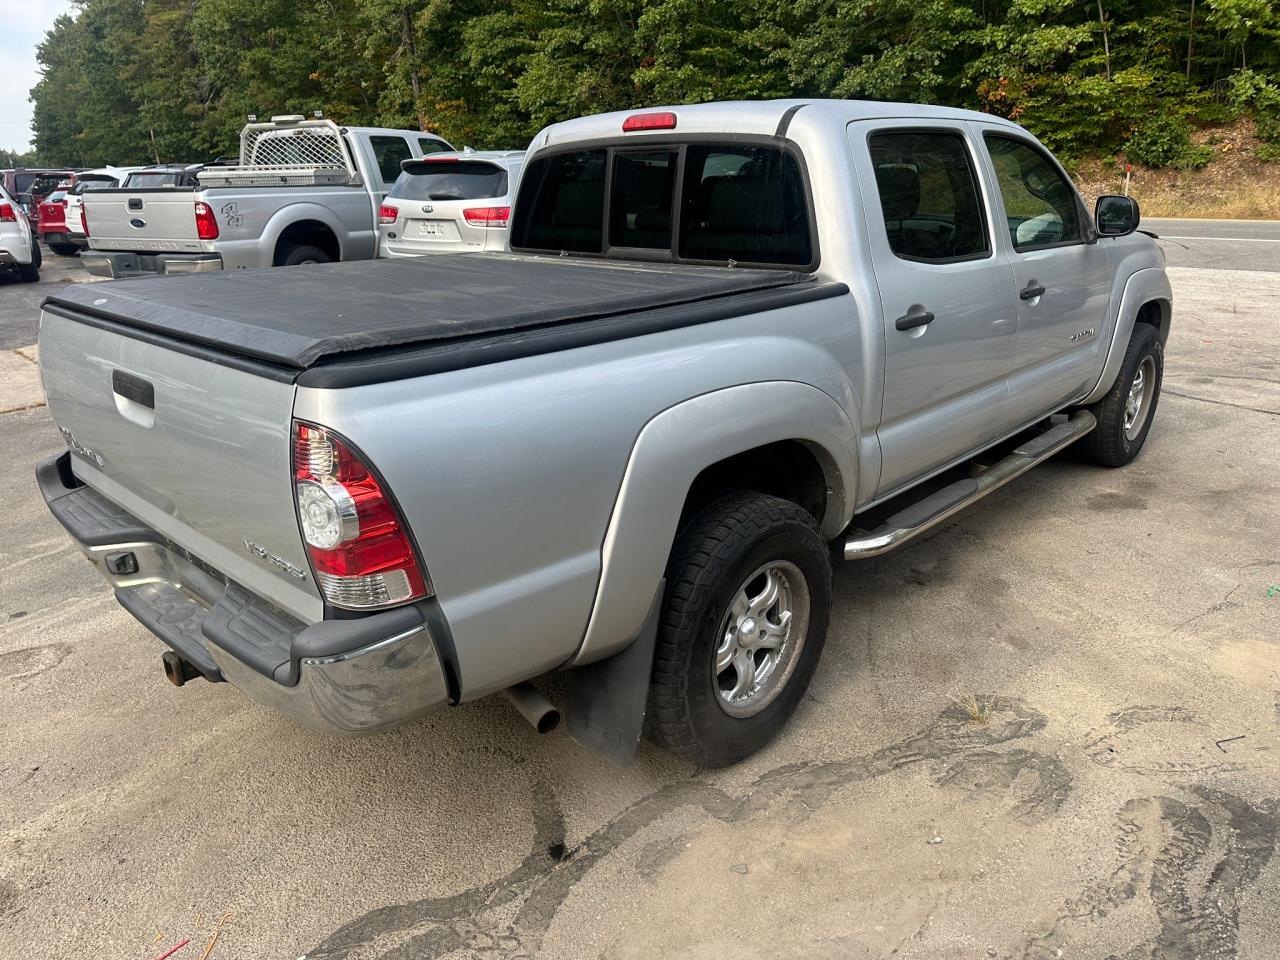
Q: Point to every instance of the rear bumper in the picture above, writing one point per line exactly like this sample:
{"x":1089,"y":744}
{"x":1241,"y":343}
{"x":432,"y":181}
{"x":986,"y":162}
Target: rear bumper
{"x":344,"y":677}
{"x":114,"y":264}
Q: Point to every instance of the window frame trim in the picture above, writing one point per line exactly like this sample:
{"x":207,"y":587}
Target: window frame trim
{"x":680,"y":143}
{"x":983,"y":208}
{"x":1088,"y":234}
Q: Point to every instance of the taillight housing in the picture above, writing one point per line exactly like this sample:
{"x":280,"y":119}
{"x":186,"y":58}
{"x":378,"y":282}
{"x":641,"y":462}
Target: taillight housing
{"x":359,"y":547}
{"x":6,"y":213}
{"x":206,"y":222}
{"x":84,"y":221}
{"x":487,"y":216}
{"x":388,"y":213}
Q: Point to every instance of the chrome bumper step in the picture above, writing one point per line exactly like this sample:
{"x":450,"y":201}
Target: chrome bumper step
{"x":909,"y":523}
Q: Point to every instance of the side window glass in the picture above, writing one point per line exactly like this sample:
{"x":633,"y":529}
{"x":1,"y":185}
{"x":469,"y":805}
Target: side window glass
{"x":387,"y":153}
{"x":431,"y":146}
{"x":640,"y":199}
{"x":929,"y":196}
{"x":1039,"y":202}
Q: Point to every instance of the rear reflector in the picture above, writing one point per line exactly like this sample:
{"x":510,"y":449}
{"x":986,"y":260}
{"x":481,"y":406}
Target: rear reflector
{"x":6,"y":213}
{"x":487,"y":216}
{"x":388,"y":214}
{"x":359,"y":550}
{"x":649,"y":121}
{"x":206,"y":223}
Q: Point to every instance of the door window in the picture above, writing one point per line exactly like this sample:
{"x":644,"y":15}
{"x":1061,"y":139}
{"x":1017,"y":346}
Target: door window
{"x":432,"y":146}
{"x":387,"y":153}
{"x":929,"y":196}
{"x":1039,"y":202}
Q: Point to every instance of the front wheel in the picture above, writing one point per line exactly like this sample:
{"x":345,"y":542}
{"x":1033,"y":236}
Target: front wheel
{"x":1126,"y":411}
{"x":743,"y":623}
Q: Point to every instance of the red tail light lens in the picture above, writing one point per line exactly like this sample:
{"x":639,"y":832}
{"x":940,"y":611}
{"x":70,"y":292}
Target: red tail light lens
{"x":487,"y":216}
{"x":388,"y":214}
{"x":206,"y":223}
{"x":360,"y":552}
{"x":649,"y":121}
{"x":84,"y":221}
{"x":6,"y":213}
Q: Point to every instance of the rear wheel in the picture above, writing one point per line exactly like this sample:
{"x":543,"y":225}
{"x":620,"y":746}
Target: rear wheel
{"x":64,"y":249}
{"x":1126,"y":411}
{"x":743,"y":624}
{"x":30,"y":272}
{"x":304,"y":253}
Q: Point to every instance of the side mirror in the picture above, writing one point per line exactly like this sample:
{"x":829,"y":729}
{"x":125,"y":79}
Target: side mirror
{"x":26,"y":201}
{"x":1116,"y":216}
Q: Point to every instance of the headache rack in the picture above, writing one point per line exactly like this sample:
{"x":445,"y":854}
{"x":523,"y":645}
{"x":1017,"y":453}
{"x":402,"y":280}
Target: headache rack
{"x":287,"y":152}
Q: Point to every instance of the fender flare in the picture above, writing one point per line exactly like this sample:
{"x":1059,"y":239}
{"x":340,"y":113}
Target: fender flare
{"x":669,"y":453}
{"x":288,"y":215}
{"x":1142,"y":287}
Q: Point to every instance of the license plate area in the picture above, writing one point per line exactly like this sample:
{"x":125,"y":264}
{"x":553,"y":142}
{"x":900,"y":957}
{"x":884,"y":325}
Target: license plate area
{"x":435,"y":230}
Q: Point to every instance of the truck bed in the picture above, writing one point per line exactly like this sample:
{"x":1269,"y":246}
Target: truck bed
{"x":372,"y":314}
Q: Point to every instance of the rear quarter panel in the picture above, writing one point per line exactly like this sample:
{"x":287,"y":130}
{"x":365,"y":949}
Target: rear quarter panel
{"x":251,"y":220}
{"x":509,"y":473}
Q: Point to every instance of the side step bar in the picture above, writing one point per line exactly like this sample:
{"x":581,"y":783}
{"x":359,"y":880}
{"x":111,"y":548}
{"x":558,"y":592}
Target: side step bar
{"x":931,"y":511}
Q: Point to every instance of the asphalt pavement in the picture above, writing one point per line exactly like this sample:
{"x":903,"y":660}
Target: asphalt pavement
{"x":1122,"y":798}
{"x":1220,"y":244}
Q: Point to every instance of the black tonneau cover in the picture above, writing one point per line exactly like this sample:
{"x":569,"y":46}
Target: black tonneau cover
{"x":297,"y":317}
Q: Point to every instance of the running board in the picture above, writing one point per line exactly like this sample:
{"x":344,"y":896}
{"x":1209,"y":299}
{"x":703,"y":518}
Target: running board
{"x":916,"y":519}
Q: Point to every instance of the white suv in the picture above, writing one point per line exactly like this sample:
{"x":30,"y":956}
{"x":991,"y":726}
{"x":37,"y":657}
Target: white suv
{"x":18,"y":248}
{"x":449,"y":203}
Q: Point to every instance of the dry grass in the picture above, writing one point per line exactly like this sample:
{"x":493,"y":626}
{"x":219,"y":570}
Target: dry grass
{"x":1235,"y":185}
{"x":978,"y":708}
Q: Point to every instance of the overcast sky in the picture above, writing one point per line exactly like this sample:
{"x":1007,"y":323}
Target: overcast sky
{"x":22,"y":25}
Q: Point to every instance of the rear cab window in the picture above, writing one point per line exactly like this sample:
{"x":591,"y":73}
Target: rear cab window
{"x":151,"y":181}
{"x":451,"y":180}
{"x":708,"y":202}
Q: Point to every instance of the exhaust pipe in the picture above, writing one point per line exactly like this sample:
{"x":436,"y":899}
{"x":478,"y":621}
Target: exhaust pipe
{"x":177,"y":669}
{"x":534,"y":707}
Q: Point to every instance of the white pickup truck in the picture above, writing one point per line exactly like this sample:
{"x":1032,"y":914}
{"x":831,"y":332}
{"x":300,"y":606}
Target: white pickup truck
{"x":305,"y":191}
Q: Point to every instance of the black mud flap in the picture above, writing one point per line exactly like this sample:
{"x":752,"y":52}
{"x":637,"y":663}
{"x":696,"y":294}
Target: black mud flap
{"x":607,"y":700}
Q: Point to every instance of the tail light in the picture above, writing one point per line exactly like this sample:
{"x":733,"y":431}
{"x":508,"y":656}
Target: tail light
{"x":6,"y":213}
{"x":487,"y":216}
{"x":388,"y":214}
{"x":360,"y":550}
{"x":84,"y":221}
{"x":206,"y":223}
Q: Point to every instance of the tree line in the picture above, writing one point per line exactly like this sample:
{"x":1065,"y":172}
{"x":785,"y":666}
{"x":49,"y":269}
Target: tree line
{"x":136,"y":81}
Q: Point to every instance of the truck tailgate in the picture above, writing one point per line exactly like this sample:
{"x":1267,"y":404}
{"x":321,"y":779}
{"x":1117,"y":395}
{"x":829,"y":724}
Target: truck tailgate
{"x":197,"y":450}
{"x":158,"y":220}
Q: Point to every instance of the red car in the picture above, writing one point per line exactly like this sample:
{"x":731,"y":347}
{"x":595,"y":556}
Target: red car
{"x":39,"y":182}
{"x":51,"y":222}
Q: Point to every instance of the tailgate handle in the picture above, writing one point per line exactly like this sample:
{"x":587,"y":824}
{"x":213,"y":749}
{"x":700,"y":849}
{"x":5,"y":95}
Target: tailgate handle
{"x":134,"y":388}
{"x":135,"y":203}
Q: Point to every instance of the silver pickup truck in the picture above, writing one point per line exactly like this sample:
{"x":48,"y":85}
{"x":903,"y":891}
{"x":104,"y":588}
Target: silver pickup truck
{"x":731,"y":343}
{"x":305,"y":191}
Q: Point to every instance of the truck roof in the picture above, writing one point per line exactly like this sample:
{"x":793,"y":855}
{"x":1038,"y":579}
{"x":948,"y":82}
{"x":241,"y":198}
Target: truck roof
{"x":761,"y":117}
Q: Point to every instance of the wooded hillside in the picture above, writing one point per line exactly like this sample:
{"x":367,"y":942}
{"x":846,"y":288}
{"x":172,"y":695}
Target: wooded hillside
{"x":129,"y":81}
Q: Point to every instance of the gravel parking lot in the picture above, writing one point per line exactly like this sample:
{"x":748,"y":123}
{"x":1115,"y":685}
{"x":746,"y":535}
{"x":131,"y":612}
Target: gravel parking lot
{"x":1122,"y":800}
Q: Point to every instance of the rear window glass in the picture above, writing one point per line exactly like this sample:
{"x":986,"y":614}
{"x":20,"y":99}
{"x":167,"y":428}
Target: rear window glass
{"x":149,"y":181}
{"x":389,"y":152}
{"x":744,"y":203}
{"x":84,"y":186}
{"x":39,"y":184}
{"x":640,"y":201}
{"x":441,"y":180}
{"x":561,"y":204}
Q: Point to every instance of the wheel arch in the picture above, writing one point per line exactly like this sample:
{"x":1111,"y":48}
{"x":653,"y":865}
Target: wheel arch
{"x":304,"y":223}
{"x":688,"y":451}
{"x":1147,"y":298}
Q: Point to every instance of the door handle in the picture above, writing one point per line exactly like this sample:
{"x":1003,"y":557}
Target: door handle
{"x":133,"y":388}
{"x":1031,"y":291}
{"x":917,"y":316}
